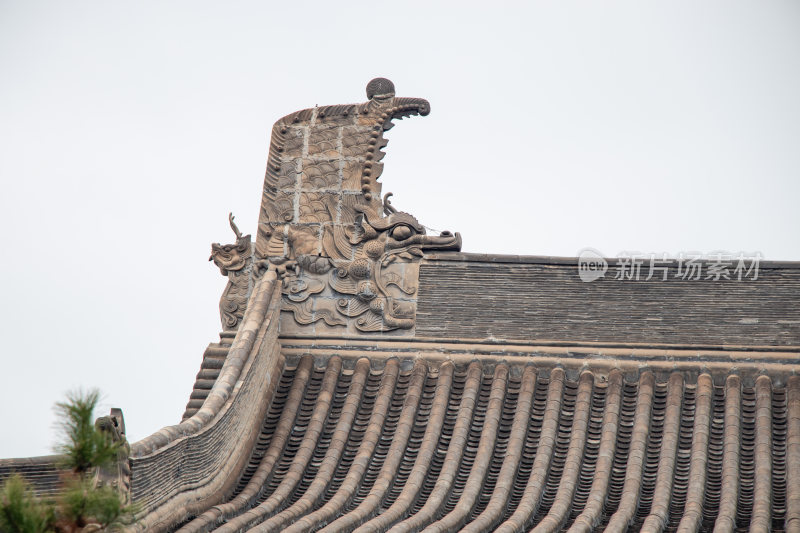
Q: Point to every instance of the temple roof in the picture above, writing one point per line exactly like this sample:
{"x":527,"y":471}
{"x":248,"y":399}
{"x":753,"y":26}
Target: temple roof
{"x":406,"y":444}
{"x":372,"y":377}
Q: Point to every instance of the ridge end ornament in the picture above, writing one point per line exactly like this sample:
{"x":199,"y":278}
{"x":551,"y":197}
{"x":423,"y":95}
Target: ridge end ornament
{"x":348,"y":258}
{"x":235,"y":261}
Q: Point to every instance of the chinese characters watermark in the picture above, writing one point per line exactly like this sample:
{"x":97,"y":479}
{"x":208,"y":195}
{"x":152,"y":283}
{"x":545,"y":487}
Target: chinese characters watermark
{"x":690,"y":266}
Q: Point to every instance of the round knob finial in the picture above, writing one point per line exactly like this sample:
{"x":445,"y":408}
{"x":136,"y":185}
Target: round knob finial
{"x":380,"y":87}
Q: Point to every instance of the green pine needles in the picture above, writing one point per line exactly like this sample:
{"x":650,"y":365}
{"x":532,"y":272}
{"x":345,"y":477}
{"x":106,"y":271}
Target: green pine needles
{"x":21,"y":511}
{"x":81,"y":444}
{"x":82,"y":505}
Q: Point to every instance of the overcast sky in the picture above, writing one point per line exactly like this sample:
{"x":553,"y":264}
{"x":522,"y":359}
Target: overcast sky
{"x":129,"y":130}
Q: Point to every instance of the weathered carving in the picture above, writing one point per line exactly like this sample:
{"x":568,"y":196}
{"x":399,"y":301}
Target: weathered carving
{"x":236,"y":262}
{"x":345,"y":255}
{"x":118,"y":474}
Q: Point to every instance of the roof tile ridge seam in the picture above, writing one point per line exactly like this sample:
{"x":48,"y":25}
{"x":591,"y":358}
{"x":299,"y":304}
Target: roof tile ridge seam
{"x":591,"y":514}
{"x":405,"y":424}
{"x":252,"y":490}
{"x":494,"y":509}
{"x":762,"y":491}
{"x":701,"y":432}
{"x":572,"y":465}
{"x":430,"y":441}
{"x":256,"y":515}
{"x":541,"y":462}
{"x":456,"y":518}
{"x":729,"y":494}
{"x":793,"y":455}
{"x":656,"y":521}
{"x":620,"y":520}
{"x":331,"y":460}
{"x":361,"y":461}
{"x":453,"y":457}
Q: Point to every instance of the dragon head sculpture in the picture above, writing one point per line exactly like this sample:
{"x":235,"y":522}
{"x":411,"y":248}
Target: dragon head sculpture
{"x":344,"y":253}
{"x":234,"y":261}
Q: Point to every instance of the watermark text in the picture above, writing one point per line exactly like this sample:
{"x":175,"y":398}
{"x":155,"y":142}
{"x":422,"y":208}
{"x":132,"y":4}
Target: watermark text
{"x":690,"y":266}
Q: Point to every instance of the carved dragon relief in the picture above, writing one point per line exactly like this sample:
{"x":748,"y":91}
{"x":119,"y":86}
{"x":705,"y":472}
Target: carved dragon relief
{"x":347,"y":258}
{"x":236,"y":262}
{"x":377,"y":287}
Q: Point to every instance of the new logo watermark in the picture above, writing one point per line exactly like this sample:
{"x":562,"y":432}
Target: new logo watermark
{"x":591,"y":265}
{"x":691,"y":266}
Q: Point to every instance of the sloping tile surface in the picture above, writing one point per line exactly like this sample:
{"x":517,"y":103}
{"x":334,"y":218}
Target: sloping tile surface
{"x":409,"y":445}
